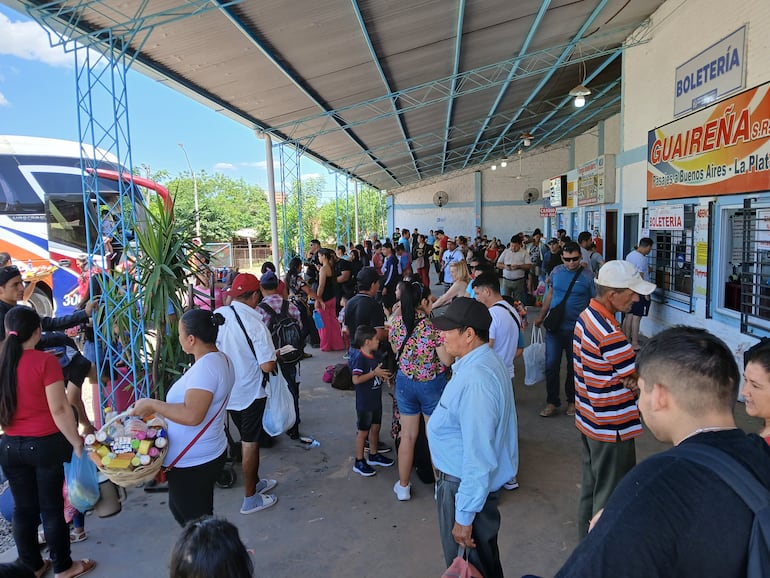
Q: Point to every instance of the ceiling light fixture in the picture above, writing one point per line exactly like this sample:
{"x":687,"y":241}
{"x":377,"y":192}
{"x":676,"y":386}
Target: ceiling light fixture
{"x":504,"y":162}
{"x":580,"y":91}
{"x":526,"y":138}
{"x":494,"y":167}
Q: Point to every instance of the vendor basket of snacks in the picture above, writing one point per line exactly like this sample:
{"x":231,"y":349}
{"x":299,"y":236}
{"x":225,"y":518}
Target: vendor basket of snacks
{"x":129,"y":449}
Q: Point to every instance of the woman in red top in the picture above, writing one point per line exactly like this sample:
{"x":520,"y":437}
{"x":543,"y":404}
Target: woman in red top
{"x":40,"y":434}
{"x":492,"y":253}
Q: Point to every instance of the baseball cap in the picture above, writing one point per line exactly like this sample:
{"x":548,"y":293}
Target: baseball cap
{"x":623,"y":275}
{"x":7,"y":273}
{"x":366,"y":277}
{"x":464,"y":312}
{"x":243,"y":283}
{"x":269,"y":280}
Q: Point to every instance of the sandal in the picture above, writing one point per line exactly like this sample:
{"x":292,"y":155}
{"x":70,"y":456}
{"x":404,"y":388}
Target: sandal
{"x":549,"y":410}
{"x":78,"y":535}
{"x":570,"y":409}
{"x":87,"y":565}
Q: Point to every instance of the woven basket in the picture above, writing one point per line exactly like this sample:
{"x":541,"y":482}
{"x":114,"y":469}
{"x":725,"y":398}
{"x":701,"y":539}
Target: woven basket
{"x":128,"y":478}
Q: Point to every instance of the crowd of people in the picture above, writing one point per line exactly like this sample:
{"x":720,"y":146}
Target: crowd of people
{"x":450,"y":360}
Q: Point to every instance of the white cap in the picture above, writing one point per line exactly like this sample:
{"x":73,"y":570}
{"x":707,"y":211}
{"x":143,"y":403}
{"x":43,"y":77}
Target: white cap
{"x":623,"y":275}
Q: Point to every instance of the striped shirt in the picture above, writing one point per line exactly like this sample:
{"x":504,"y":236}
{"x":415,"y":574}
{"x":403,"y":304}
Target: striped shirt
{"x":605,"y":408}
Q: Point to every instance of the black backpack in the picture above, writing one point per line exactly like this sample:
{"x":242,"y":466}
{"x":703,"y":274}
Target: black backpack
{"x":285,"y":330}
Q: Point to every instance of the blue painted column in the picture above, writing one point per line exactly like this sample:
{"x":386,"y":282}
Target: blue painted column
{"x":477,"y":199}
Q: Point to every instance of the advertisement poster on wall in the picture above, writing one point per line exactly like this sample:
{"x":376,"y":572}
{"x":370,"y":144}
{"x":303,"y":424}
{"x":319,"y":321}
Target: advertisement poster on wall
{"x":596,"y":181}
{"x":721,"y":150}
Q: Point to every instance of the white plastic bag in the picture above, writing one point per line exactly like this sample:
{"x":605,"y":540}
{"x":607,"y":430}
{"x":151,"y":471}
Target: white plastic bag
{"x":534,"y":358}
{"x":279,"y":414}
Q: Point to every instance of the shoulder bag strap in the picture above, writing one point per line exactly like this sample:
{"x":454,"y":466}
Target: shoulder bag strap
{"x":251,"y":343}
{"x":571,"y":285}
{"x":732,"y":472}
{"x":516,"y":319}
{"x":201,"y":432}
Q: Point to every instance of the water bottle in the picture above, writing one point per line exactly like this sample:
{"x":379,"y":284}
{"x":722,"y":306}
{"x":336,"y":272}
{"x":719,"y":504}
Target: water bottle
{"x":29,"y":265}
{"x":318,"y":320}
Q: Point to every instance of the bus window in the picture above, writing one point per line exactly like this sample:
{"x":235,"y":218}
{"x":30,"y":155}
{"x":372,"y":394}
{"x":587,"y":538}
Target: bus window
{"x":67,"y":223}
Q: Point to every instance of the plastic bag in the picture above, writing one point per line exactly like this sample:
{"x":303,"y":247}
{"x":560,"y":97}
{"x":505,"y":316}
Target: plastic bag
{"x":534,"y":359}
{"x":461,"y":568}
{"x":82,"y":482}
{"x":279,"y":414}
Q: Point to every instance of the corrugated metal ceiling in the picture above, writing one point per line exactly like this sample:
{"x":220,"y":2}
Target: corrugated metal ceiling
{"x":305,"y":72}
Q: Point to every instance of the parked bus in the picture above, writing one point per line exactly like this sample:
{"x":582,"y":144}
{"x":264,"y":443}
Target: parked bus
{"x":42,"y":214}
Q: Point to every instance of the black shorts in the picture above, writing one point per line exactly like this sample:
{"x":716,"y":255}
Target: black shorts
{"x":249,"y":420}
{"x":366,"y":419}
{"x":641,"y":308}
{"x":76,"y":370}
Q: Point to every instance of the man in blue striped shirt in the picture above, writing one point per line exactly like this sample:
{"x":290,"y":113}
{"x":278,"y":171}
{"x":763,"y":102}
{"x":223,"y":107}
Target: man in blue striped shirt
{"x":473,"y":438}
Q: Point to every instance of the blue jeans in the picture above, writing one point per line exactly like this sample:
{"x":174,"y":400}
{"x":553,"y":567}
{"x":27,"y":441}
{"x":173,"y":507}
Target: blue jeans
{"x":35,"y":474}
{"x":556,"y":344}
{"x":418,"y":397}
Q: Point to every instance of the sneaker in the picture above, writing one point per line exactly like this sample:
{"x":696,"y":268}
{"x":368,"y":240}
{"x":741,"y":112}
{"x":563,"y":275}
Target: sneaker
{"x":265,"y":485}
{"x":257,"y":502}
{"x":381,"y":447}
{"x":511,"y":484}
{"x":402,"y":493}
{"x":379,"y":460}
{"x":361,"y":467}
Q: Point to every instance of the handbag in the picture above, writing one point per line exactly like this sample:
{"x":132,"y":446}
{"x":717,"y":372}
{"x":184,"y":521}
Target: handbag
{"x":279,"y":415}
{"x":555,"y":315}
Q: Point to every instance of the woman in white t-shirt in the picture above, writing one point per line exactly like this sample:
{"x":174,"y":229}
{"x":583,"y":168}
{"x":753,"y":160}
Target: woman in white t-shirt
{"x":195,"y":407}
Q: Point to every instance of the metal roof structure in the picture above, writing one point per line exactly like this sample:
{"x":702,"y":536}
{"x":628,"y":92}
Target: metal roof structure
{"x":390,"y":92}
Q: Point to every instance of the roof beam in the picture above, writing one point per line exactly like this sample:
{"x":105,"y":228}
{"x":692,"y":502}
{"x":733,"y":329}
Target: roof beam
{"x":468,"y":82}
{"x":434,"y":140}
{"x":227,"y":10}
{"x":376,"y":60}
{"x":575,"y":114}
{"x":568,"y":98}
{"x":569,"y":49}
{"x":522,"y":51}
{"x":455,"y":70}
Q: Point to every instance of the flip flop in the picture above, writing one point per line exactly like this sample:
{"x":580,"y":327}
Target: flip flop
{"x":88,"y":565}
{"x":77,"y":536}
{"x":43,"y":569}
{"x":549,"y":411}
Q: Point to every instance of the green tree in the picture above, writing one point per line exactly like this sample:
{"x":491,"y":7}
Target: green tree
{"x":225,"y":205}
{"x":371,"y":216}
{"x":304,"y":199}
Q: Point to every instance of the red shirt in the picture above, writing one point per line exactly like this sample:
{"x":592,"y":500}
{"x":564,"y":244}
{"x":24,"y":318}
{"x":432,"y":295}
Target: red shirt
{"x":37,"y":370}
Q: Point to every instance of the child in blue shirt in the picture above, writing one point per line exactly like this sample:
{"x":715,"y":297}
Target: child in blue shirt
{"x":368,"y":375}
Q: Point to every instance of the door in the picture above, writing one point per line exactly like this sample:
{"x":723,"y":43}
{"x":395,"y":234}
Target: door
{"x":630,"y":233}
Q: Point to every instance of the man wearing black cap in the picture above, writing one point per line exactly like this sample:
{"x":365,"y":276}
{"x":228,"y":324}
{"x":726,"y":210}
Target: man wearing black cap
{"x":473,"y":438}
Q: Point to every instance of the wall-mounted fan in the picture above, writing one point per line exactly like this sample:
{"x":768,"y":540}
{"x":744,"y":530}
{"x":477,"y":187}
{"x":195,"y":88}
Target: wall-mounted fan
{"x":530,"y":195}
{"x":440,"y":198}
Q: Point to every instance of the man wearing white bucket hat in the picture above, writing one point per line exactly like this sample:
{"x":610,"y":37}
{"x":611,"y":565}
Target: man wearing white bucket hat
{"x":605,"y":387}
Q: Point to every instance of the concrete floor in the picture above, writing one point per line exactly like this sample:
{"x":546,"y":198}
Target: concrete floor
{"x":331,"y":521}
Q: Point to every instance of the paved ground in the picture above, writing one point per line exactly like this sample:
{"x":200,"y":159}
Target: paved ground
{"x":331,"y":521}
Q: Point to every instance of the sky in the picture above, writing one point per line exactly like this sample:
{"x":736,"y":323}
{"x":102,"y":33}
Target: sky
{"x":37,"y":98}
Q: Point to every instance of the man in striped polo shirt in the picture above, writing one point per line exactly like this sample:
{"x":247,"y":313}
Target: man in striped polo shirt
{"x":605,"y":387}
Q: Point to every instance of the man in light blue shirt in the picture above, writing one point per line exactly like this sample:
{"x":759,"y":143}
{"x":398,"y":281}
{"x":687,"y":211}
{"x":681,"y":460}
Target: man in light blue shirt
{"x":473,"y":438}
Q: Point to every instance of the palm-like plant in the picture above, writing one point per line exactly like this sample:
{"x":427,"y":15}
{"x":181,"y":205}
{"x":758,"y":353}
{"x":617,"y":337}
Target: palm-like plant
{"x":163,"y":269}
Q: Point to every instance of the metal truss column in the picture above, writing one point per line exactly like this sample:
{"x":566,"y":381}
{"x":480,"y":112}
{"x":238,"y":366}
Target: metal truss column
{"x":103,"y":132}
{"x":291,"y":184}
